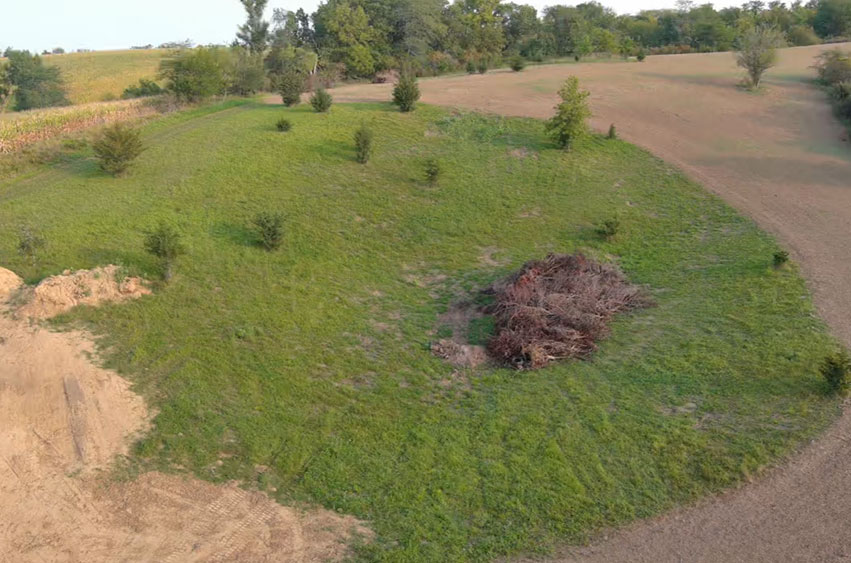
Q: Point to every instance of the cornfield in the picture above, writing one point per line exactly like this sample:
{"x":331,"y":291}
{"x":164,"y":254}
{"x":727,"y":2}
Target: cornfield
{"x":18,"y":130}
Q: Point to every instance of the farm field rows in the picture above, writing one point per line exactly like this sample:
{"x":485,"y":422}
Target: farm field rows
{"x":307,"y":372}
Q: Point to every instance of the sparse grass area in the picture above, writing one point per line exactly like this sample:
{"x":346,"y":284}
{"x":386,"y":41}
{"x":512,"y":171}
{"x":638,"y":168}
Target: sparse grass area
{"x":307,"y":371}
{"x":102,"y":75}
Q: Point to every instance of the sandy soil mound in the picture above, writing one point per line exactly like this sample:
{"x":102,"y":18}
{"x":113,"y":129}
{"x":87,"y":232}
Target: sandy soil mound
{"x":58,"y":294}
{"x":62,"y":419}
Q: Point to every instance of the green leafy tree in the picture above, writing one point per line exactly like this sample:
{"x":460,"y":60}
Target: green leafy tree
{"x":254,"y":33}
{"x":196,"y":74}
{"x":570,"y":120}
{"x":321,"y":101}
{"x":290,"y":84}
{"x":35,"y":85}
{"x":246,"y":74}
{"x":833,"y":18}
{"x":758,"y":52}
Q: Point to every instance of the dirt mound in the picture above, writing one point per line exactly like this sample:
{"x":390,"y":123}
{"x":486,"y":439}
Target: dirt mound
{"x":58,"y":294}
{"x":557,"y":308}
{"x":9,"y":282}
{"x":63,"y":419}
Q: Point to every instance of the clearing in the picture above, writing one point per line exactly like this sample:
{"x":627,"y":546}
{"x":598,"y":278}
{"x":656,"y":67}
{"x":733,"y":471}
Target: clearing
{"x":307,"y":373}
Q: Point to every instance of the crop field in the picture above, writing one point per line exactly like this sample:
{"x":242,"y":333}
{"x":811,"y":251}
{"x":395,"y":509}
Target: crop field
{"x":103,"y":75}
{"x":307,"y":372}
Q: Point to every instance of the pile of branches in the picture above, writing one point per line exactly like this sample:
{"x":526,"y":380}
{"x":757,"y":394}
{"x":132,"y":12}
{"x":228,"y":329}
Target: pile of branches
{"x":557,"y":308}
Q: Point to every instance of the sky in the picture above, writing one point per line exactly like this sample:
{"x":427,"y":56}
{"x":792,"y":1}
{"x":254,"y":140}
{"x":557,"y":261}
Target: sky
{"x":118,"y":24}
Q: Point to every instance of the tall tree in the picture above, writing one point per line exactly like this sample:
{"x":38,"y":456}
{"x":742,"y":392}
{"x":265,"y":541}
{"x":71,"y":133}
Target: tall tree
{"x":35,"y":84}
{"x":254,"y":33}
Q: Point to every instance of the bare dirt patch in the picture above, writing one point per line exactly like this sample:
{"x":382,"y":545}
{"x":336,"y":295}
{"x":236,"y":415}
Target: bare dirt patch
{"x":63,"y":420}
{"x":457,"y":350}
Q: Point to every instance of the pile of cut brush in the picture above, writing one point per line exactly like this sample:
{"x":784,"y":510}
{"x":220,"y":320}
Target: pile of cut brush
{"x":557,"y":308}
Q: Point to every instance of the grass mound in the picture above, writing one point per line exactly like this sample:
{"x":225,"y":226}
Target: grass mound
{"x":443,"y":467}
{"x":558,"y":308}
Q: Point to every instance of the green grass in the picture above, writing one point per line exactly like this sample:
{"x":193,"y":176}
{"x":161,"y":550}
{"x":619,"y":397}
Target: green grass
{"x":314,"y":362}
{"x":103,"y":75}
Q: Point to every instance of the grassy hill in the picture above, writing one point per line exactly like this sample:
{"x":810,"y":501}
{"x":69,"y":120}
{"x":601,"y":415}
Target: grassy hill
{"x":307,"y":372}
{"x":102,"y":75}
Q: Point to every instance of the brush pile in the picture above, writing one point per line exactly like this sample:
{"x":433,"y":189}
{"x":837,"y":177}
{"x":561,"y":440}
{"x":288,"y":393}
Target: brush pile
{"x":557,"y":308}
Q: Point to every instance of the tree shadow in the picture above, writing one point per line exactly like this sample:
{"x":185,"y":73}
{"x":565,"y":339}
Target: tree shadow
{"x":236,"y":234}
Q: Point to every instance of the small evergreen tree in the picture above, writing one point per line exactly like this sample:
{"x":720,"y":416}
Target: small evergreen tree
{"x":321,"y":101}
{"x":164,"y":242}
{"x":363,"y":144}
{"x":270,"y":229}
{"x":283,"y":125}
{"x":518,"y":63}
{"x":117,"y":147}
{"x":836,"y":369}
{"x":30,"y":243}
{"x":290,"y":84}
{"x":613,"y":133}
{"x":432,"y":171}
{"x":406,"y":93}
{"x":570,"y":120}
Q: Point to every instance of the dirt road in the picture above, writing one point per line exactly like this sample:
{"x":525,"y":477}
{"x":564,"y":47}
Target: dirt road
{"x":780,"y":157}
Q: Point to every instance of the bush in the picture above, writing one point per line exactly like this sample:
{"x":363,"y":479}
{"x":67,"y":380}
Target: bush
{"x":613,"y":133}
{"x":569,"y":123}
{"x":471,"y":67}
{"x":841,"y":94}
{"x":290,"y":85}
{"x":641,"y":56}
{"x":518,"y":63}
{"x":321,"y":101}
{"x":835,"y":369}
{"x":30,"y":244}
{"x":406,"y":93}
{"x":482,"y":66}
{"x":608,"y":228}
{"x":143,"y":89}
{"x":246,"y":73}
{"x":164,"y":242}
{"x":802,"y":35}
{"x":117,"y":147}
{"x":432,"y":171}
{"x":283,"y":125}
{"x":363,"y":144}
{"x":35,"y":84}
{"x":780,"y":257}
{"x":270,"y":229}
{"x":196,"y":74}
{"x":833,"y":67}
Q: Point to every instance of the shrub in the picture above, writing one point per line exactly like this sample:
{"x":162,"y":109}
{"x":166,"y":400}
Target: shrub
{"x":143,"y":89}
{"x":518,"y":63}
{"x":833,"y":67}
{"x":471,"y":67}
{"x":246,"y":73}
{"x":30,"y":243}
{"x":841,"y":94}
{"x":196,"y":74}
{"x":613,"y":133}
{"x":283,"y":125}
{"x":406,"y":93}
{"x":432,"y":171}
{"x":758,"y":52}
{"x":608,"y":228}
{"x":164,"y":242}
{"x":270,"y":229}
{"x":802,"y":35}
{"x":780,"y":258}
{"x":641,"y":56}
{"x":835,"y":369}
{"x":363,"y":144}
{"x":321,"y":101}
{"x":482,"y":66}
{"x":569,"y":122}
{"x":290,"y":85}
{"x":117,"y":147}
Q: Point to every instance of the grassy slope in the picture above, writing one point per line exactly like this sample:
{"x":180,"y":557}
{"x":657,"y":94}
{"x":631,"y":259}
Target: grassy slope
{"x":312,"y":362}
{"x":100,"y":75}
